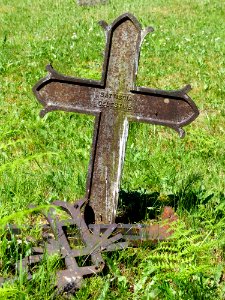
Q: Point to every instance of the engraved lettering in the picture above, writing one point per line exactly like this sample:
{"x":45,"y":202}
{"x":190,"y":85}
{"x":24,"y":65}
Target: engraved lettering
{"x":113,"y":100}
{"x":129,"y":106}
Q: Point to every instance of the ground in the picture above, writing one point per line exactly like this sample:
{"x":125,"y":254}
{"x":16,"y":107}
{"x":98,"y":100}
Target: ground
{"x":42,"y":160}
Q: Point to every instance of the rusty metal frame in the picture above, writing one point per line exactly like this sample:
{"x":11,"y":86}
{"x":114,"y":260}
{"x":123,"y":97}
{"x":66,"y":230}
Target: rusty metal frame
{"x":95,"y":242}
{"x":95,"y":239}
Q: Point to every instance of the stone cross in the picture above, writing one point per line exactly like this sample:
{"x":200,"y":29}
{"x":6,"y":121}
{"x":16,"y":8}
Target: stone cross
{"x":115,"y":101}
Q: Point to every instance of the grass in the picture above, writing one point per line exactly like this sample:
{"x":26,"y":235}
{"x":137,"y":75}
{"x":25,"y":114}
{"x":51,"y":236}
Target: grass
{"x":42,"y":160}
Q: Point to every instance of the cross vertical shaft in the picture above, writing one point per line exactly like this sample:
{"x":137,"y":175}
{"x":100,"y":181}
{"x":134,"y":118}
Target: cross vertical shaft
{"x":113,"y":126}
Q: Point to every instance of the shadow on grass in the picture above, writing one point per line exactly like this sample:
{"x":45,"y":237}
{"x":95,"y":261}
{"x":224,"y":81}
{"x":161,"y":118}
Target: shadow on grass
{"x":137,"y":206}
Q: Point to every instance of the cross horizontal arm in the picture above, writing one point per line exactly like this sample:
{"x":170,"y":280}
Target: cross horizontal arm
{"x":58,"y":92}
{"x":170,"y":108}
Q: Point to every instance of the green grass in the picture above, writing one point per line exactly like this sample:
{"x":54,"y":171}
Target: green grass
{"x":42,"y":160}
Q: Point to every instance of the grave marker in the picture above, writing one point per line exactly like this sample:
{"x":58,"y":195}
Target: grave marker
{"x":114,"y":101}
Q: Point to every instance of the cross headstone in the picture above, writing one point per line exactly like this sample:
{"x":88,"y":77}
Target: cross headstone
{"x":115,"y":100}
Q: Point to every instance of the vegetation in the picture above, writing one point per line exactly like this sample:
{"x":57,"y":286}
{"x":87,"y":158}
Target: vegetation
{"x":42,"y":160}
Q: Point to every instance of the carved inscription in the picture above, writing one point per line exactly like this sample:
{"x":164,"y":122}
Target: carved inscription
{"x":113,"y":100}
